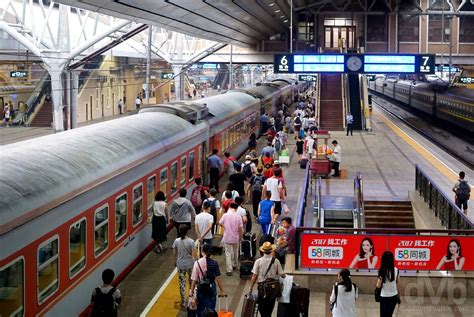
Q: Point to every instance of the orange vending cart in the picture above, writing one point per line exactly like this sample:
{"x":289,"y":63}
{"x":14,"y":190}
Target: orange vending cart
{"x":320,"y":164}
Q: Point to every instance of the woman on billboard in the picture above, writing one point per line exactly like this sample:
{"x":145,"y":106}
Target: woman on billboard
{"x":453,"y":260}
{"x":366,"y":259}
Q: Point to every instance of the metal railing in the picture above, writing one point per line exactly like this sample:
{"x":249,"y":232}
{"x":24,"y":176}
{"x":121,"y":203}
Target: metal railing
{"x":359,"y":198}
{"x":451,"y":216}
{"x":301,"y":212}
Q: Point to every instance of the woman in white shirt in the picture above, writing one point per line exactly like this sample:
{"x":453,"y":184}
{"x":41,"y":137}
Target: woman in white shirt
{"x":159,"y":221}
{"x":388,"y":280}
{"x":344,"y":301}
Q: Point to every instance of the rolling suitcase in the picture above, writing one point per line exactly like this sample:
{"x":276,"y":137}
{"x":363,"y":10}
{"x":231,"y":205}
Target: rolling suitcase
{"x":246,"y":267}
{"x":216,"y":245}
{"x":249,"y":308}
{"x":223,"y":312}
{"x":299,"y":301}
{"x":248,"y":246}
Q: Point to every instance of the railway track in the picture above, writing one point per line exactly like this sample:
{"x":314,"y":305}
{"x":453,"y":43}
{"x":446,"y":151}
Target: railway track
{"x":459,"y":146}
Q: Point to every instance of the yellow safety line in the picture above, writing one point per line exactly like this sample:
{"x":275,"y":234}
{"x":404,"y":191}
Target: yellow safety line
{"x":430,"y":157}
{"x":167,"y":304}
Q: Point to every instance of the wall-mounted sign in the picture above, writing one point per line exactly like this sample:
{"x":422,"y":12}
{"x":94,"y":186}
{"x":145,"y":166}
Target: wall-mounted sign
{"x":205,"y":66}
{"x":434,"y":253}
{"x":466,"y":80}
{"x":19,"y":74}
{"x":167,"y":75}
{"x":354,"y":63}
{"x":307,"y":77}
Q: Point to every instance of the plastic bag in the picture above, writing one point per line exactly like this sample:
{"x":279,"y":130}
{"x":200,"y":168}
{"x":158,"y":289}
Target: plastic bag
{"x":287,"y":283}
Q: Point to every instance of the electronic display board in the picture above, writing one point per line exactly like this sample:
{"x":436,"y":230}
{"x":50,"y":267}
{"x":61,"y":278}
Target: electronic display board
{"x":307,"y":77}
{"x":19,"y":74}
{"x":355,"y":63}
{"x":406,"y":63}
{"x":166,"y":75}
{"x":466,"y":80}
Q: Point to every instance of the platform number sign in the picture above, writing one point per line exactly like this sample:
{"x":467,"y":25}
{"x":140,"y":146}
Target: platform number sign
{"x":283,"y":63}
{"x":425,"y":64}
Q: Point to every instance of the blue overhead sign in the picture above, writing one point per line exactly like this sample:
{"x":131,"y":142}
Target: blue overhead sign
{"x":355,"y":63}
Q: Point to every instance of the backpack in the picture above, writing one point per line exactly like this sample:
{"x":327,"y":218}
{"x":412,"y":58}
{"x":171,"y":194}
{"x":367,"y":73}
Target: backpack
{"x":297,"y":121}
{"x":301,"y":134}
{"x":104,"y":304}
{"x":463,"y":191}
{"x":257,"y":184}
{"x":196,"y":197}
{"x":277,"y":144}
{"x":247,"y":170}
{"x":213,"y":206}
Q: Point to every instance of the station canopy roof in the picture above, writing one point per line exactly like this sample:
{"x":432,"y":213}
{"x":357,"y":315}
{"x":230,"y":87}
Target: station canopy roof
{"x":238,"y":22}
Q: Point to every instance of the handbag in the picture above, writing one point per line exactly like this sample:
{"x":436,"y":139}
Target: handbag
{"x":270,"y":288}
{"x":377,"y":294}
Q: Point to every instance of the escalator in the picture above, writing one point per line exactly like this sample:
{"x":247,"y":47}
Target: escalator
{"x":330,"y":109}
{"x":354,"y":100}
{"x":222,"y":78}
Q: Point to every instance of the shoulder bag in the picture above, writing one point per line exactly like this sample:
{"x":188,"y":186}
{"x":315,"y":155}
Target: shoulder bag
{"x":204,"y":284}
{"x":270,"y":288}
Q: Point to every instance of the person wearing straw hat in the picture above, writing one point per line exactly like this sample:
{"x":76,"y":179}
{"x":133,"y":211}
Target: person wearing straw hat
{"x":265,"y":268}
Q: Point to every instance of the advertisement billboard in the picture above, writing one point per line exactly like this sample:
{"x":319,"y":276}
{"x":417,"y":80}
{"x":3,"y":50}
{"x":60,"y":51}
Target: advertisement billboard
{"x":434,"y":253}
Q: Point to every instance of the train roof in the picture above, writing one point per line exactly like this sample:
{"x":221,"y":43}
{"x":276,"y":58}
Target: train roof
{"x":223,"y":105}
{"x":39,"y":171}
{"x":263,"y":90}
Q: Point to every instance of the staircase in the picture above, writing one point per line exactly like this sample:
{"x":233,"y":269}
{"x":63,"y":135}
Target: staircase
{"x":389,"y":214}
{"x":44,"y":117}
{"x":330,"y":113}
{"x":354,"y":101}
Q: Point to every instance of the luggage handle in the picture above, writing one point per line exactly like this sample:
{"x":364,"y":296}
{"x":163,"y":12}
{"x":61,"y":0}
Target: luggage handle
{"x":226,"y":303}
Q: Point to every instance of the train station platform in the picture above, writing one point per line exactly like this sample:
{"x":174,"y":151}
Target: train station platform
{"x":386,"y":157}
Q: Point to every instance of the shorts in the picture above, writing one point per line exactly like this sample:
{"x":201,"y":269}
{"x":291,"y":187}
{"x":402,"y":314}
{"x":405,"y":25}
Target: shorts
{"x":277,"y":209}
{"x":462,"y":203}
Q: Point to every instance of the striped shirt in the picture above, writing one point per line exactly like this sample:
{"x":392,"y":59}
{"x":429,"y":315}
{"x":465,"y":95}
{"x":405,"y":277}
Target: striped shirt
{"x":207,"y":265}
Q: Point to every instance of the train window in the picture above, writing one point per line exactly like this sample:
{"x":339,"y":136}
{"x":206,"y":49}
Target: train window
{"x":174,"y":178}
{"x":48,"y":269}
{"x":199,"y":159}
{"x":11,"y":289}
{"x":137,"y":214}
{"x":77,"y":247}
{"x":101,"y":229}
{"x":120,"y":216}
{"x":164,"y":181}
{"x":182,"y":177}
{"x":191,"y":165}
{"x":150,"y":193}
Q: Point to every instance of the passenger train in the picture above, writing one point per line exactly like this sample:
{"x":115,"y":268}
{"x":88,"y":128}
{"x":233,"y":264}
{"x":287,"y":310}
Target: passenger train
{"x":77,"y":202}
{"x":454,"y":105}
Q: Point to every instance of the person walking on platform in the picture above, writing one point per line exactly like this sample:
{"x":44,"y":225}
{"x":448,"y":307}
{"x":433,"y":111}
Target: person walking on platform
{"x":275,"y":187}
{"x":233,"y":232}
{"x":265,"y":211}
{"x":203,"y":224}
{"x":266,"y":267}
{"x":349,"y":122}
{"x":215,"y":205}
{"x":238,"y":180}
{"x":183,"y":258}
{"x":120,"y":106}
{"x":138,"y":102}
{"x":462,"y":190}
{"x":255,"y":188}
{"x":344,"y":295}
{"x":182,"y":211}
{"x":159,"y":220}
{"x":214,"y":165}
{"x":106,"y":298}
{"x":388,"y":280}
{"x":205,"y":276}
{"x":263,"y":123}
{"x":336,"y":158}
{"x":229,"y":164}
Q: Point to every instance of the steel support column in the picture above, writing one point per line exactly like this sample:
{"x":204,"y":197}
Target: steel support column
{"x":148,"y":64}
{"x":74,"y":93}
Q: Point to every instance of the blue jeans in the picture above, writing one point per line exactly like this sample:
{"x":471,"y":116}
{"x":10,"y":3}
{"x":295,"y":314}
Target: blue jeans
{"x":206,"y":301}
{"x":265,"y":227}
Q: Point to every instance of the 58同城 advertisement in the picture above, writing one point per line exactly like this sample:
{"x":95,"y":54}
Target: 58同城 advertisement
{"x":433,"y":253}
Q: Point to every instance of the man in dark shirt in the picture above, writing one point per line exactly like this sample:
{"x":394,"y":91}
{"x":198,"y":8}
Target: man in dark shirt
{"x":214,"y":164}
{"x":237,"y":179}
